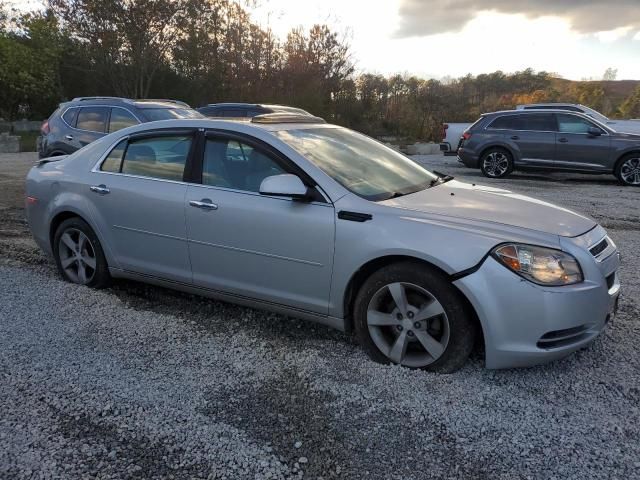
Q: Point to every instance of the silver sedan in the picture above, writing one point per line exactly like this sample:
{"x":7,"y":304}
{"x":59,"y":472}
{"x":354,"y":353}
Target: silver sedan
{"x":297,"y":216}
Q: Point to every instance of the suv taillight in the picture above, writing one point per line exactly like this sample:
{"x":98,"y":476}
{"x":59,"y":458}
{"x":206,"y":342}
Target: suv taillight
{"x":44,"y":128}
{"x":444,"y":130}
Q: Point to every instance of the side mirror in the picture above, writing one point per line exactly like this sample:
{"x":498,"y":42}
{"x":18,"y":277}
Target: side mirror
{"x":284,"y":185}
{"x":594,"y":132}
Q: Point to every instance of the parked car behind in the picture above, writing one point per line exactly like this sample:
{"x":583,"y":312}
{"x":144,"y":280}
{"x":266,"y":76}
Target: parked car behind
{"x":244,"y":110}
{"x":316,"y":221}
{"x":452,"y":132}
{"x":83,"y":120}
{"x":501,"y":142}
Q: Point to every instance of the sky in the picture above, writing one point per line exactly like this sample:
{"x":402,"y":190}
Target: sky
{"x":577,"y":39}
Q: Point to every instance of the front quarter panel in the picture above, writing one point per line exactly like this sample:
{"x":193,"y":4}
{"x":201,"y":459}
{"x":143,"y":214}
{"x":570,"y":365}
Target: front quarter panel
{"x":452,"y":245}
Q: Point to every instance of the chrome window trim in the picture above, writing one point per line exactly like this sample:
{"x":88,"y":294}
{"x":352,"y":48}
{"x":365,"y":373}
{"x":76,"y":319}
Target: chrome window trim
{"x":488,"y":127}
{"x":89,"y":106}
{"x":103,"y":157}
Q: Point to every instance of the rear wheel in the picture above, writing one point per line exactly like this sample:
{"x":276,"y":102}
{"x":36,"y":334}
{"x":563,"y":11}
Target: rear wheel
{"x":628,"y":170}
{"x":496,"y":163}
{"x":411,"y":315}
{"x":79,"y":255}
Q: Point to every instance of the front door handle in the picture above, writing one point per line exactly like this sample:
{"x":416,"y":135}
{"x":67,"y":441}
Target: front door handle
{"x":563,"y":140}
{"x":69,"y":137}
{"x":101,"y":189}
{"x":515,"y":137}
{"x":204,"y":204}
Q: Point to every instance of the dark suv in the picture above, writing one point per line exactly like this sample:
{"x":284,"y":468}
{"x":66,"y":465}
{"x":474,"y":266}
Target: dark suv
{"x":559,"y":140}
{"x":85,"y":119}
{"x":243,"y":110}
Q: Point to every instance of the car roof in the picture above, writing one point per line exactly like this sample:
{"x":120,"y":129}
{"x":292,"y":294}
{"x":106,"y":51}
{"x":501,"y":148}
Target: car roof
{"x":138,"y":103}
{"x":551,"y":104}
{"x":533,"y":112}
{"x":274,"y":106}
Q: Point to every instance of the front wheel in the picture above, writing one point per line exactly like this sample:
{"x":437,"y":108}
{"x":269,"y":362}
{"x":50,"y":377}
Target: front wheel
{"x":628,"y":170}
{"x":496,"y":163}
{"x":409,"y":314}
{"x":79,"y":255}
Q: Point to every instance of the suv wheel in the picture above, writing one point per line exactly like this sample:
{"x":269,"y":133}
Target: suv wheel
{"x":628,"y":170}
{"x":411,"y":315}
{"x":79,"y":255}
{"x":496,"y":163}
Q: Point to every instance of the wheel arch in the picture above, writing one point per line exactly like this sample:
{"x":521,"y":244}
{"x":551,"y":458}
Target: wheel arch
{"x":622,"y":155}
{"x":372,"y":266}
{"x":501,"y":146}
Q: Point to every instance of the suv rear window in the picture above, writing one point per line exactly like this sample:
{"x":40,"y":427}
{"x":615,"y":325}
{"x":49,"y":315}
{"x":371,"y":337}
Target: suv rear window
{"x":70,"y":116}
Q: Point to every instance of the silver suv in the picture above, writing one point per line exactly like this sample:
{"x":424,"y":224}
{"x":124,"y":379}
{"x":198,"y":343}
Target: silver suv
{"x":316,"y":221}
{"x":501,"y":142}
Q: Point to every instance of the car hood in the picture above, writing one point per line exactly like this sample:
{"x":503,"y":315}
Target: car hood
{"x":494,"y":205}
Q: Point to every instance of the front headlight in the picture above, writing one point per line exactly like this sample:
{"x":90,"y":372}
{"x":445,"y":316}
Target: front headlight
{"x":544,"y":266}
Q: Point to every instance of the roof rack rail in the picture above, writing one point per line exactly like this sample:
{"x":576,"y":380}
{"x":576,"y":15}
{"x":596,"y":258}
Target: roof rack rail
{"x":286,"y":118}
{"x":82,"y":99}
{"x":168,"y":100}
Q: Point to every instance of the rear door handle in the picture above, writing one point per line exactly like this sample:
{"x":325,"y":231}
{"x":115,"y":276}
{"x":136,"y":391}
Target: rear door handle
{"x":515,"y":137}
{"x":101,"y":189}
{"x":69,"y":137}
{"x":204,"y":204}
{"x":563,"y":140}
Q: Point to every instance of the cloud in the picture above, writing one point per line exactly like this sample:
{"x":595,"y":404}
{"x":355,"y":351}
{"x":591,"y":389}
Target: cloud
{"x":419,"y":18}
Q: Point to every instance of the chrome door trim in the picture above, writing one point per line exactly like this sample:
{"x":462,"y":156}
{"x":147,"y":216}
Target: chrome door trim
{"x":87,"y":106}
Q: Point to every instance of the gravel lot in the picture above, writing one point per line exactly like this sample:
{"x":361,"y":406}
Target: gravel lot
{"x":141,"y":382}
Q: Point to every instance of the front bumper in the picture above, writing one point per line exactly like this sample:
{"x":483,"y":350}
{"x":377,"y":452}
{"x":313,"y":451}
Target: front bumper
{"x":526,"y":324}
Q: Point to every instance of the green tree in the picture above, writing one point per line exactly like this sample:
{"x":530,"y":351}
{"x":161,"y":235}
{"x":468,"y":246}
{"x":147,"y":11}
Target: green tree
{"x":630,"y":108}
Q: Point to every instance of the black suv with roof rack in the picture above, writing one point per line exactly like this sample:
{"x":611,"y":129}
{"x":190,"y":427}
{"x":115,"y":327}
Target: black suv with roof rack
{"x":244,"y":110}
{"x":83,"y":120}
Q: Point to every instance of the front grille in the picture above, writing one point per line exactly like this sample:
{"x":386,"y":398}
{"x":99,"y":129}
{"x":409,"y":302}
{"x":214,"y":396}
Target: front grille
{"x":600,"y":247}
{"x":562,"y":338}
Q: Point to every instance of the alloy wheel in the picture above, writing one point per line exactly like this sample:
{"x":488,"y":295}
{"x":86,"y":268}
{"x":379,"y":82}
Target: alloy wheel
{"x":630,"y":171}
{"x":408,"y":324}
{"x":77,"y":256}
{"x":496,"y":164}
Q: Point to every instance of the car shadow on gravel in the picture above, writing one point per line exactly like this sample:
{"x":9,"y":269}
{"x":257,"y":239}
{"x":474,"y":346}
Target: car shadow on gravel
{"x":307,"y":429}
{"x":109,"y":449}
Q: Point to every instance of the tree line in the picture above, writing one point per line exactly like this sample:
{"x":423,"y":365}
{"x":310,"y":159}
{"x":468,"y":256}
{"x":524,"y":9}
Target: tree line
{"x":205,"y":51}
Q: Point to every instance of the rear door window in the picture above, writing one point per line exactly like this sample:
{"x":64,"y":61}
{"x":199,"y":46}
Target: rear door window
{"x":121,"y":118}
{"x":163,"y":157}
{"x":93,"y":119}
{"x":538,"y":122}
{"x":114,"y":159}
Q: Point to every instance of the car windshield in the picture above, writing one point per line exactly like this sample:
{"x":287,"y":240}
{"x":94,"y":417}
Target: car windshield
{"x":362,"y":165}
{"x":154,"y":114}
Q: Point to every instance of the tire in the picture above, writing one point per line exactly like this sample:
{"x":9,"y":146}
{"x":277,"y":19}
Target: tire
{"x":434,"y":312}
{"x":496,"y":163}
{"x":76,"y":249}
{"x":627,"y":170}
